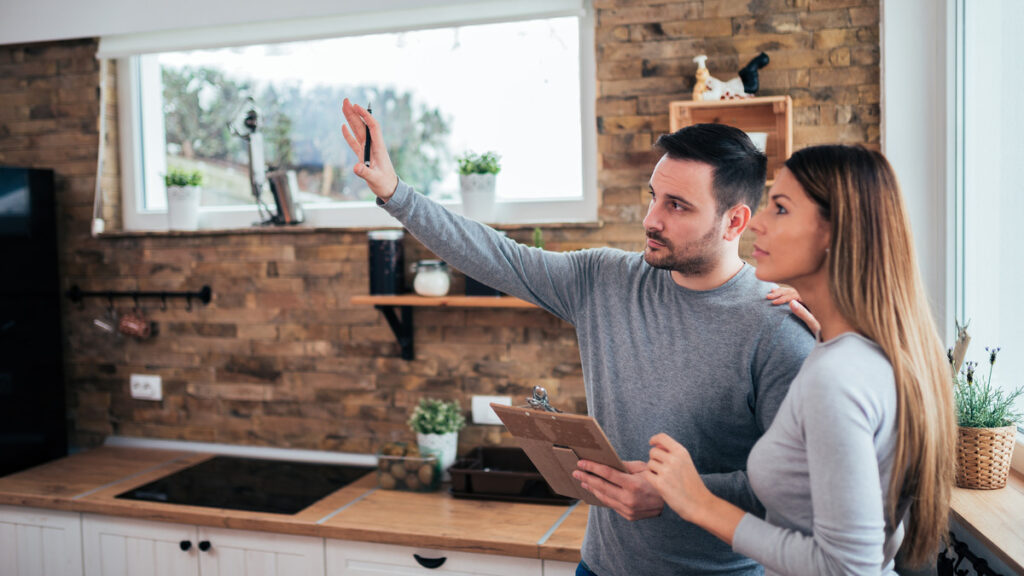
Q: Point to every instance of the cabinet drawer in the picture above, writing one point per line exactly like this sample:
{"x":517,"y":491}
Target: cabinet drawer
{"x":345,"y":558}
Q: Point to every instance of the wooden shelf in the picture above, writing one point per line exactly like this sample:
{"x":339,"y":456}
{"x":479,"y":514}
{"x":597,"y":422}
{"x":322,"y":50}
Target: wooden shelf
{"x":449,"y":301}
{"x":770,"y":114}
{"x":392,"y":306}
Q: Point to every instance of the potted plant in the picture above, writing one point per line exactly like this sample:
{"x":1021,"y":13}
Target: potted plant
{"x":476,"y":184}
{"x":987,"y":422}
{"x":183,"y":198}
{"x":437,"y":424}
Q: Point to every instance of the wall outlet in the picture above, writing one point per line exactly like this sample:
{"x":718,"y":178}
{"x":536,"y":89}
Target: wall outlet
{"x":482,"y":411}
{"x":147,"y":387}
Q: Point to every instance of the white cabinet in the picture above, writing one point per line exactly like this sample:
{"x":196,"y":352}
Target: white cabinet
{"x":259,"y":553}
{"x":37,"y":542}
{"x":346,"y":558}
{"x":553,"y":568}
{"x":128,"y":547}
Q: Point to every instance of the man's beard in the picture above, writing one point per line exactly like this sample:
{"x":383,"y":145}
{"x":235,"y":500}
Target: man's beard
{"x":696,"y":258}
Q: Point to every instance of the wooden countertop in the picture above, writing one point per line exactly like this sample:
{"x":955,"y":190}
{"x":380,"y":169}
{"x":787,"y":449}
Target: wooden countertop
{"x":995,"y":518}
{"x":89,"y":482}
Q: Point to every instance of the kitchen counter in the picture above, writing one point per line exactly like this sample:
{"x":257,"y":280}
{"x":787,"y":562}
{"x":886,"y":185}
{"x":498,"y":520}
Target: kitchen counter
{"x":89,"y":482}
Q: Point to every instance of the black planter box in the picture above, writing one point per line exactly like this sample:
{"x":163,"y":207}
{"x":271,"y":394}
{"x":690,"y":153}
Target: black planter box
{"x":501,"y":473}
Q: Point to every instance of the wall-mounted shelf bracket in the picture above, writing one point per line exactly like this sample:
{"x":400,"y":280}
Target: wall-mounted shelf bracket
{"x":402,"y":328}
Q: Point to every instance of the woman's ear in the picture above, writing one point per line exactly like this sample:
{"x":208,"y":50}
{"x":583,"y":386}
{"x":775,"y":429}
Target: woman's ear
{"x":736,"y":220}
{"x":826,"y":236}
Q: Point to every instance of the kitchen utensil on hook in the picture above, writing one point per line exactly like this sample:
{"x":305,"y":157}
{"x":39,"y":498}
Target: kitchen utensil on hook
{"x":135,"y":323}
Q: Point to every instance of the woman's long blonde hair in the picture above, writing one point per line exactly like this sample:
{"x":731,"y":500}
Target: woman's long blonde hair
{"x":873,"y":277}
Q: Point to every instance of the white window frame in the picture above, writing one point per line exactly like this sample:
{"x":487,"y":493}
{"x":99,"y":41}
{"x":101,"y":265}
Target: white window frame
{"x":143,"y":159}
{"x":922,"y":139}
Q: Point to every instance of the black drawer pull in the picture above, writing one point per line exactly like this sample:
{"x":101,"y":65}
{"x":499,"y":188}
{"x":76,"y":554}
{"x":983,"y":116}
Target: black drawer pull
{"x":204,"y":545}
{"x":185,"y":545}
{"x":429,"y":562}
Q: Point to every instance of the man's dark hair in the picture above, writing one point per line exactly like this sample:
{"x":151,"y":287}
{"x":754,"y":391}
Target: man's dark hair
{"x":739,"y":167}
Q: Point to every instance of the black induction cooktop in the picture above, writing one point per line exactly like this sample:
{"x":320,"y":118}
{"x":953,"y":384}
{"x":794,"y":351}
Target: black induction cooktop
{"x":276,"y":486}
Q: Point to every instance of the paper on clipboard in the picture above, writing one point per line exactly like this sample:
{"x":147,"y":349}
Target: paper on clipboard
{"x":555,"y":442}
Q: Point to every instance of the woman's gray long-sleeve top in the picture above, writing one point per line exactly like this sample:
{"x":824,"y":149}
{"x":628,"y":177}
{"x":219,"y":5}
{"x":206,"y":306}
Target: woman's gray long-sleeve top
{"x":822,"y":469}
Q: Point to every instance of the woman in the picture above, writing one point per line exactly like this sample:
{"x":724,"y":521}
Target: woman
{"x":866,"y":433}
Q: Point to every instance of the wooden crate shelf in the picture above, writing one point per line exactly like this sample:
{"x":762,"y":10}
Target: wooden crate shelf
{"x":770,"y":114}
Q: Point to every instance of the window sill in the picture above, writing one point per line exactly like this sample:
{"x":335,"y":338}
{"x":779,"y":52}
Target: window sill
{"x":302,"y":229}
{"x":993,"y":516}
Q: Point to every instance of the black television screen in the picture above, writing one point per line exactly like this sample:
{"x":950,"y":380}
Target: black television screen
{"x":15,"y":202}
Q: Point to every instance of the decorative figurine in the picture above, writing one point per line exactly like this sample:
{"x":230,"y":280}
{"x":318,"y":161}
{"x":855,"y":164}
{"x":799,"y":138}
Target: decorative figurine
{"x":745,"y":85}
{"x":702,"y":77}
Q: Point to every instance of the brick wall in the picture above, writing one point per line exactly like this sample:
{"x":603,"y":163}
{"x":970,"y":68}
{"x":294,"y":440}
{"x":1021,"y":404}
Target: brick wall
{"x":280,"y":357}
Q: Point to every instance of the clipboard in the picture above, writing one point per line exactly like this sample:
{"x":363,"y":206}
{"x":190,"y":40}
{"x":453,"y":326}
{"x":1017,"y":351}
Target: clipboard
{"x":556,"y":441}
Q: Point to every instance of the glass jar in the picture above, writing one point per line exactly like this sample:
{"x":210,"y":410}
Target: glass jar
{"x":387,"y":262}
{"x":432,"y":278}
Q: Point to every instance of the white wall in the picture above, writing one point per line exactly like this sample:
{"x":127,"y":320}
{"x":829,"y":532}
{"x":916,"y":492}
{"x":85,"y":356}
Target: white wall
{"x":917,"y":133}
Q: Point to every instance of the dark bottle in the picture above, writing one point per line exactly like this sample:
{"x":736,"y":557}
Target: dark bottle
{"x":387,"y":262}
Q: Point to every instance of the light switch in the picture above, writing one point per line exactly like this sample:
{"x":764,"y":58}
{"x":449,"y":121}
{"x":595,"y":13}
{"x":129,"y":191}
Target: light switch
{"x":482,"y":412}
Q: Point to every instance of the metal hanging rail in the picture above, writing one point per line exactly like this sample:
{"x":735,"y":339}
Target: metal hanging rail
{"x":204,"y":295}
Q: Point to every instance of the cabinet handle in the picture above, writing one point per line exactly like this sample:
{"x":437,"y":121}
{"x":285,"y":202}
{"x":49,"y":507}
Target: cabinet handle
{"x":185,"y":545}
{"x":429,"y":562}
{"x":204,"y":545}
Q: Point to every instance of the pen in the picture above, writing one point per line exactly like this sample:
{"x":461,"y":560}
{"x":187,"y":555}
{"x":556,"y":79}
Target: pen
{"x":366,"y":146}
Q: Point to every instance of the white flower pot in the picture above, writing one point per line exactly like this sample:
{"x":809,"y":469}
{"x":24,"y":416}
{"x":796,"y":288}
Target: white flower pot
{"x":477,"y":196}
{"x":183,"y":207}
{"x":445,"y":445}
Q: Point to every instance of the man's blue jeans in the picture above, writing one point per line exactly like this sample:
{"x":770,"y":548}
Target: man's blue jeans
{"x":583,"y":570}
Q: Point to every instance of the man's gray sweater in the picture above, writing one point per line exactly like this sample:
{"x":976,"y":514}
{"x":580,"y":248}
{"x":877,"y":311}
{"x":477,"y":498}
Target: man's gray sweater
{"x":709,"y":368}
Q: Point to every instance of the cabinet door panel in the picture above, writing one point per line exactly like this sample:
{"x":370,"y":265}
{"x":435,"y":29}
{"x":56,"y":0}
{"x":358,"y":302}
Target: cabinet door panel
{"x":260,"y":553}
{"x":126,"y":547}
{"x":346,"y":558}
{"x":40,"y":542}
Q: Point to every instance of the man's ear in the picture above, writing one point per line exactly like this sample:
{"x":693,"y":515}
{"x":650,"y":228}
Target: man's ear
{"x":735,"y":221}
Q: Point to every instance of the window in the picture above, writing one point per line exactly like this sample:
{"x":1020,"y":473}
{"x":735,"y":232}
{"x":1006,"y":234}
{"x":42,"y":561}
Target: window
{"x":990,"y":191}
{"x":512,"y":86}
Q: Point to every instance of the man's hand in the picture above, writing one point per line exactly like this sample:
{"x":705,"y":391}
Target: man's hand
{"x":628,"y":493}
{"x":380,"y":174}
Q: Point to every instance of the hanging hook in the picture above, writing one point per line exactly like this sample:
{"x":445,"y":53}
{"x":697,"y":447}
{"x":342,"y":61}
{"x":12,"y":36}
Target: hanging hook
{"x":163,"y":301}
{"x":135,"y":299}
{"x":188,"y":303}
{"x":110,"y":303}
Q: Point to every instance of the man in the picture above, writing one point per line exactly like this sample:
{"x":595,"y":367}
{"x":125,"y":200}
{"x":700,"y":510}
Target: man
{"x":678,"y":339}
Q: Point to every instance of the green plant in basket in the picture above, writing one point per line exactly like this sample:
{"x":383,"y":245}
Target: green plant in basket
{"x":979,"y":404}
{"x":181,"y":177}
{"x":472,"y":163}
{"x":436,"y":417}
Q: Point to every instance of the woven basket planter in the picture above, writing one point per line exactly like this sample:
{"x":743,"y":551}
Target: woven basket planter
{"x":983,"y":457}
